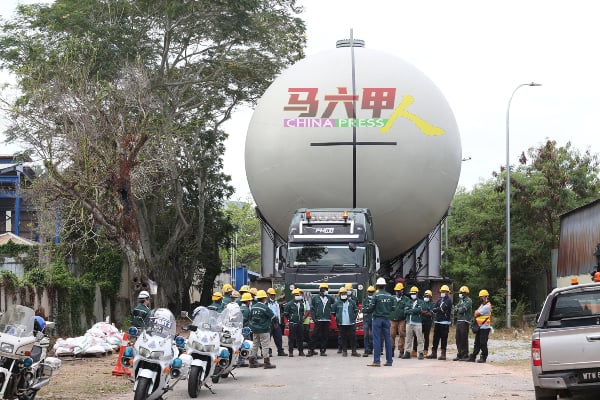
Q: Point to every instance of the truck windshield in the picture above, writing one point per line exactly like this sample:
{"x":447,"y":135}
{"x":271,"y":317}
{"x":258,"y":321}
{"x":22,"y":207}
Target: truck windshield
{"x":326,"y":256}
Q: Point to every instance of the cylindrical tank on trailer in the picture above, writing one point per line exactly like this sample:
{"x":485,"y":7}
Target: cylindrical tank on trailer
{"x":302,"y":137}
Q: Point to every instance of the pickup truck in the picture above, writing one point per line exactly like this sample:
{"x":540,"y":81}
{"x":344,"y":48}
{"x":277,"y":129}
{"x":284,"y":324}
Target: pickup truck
{"x":565,"y":346}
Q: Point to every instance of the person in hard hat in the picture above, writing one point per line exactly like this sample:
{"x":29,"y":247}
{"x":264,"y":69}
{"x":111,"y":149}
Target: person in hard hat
{"x":426,"y":321}
{"x":294,"y":312}
{"x":217,"y":302}
{"x":398,"y":320}
{"x":276,"y":332}
{"x":483,"y":316}
{"x":381,"y":306}
{"x":368,"y":323}
{"x":141,"y":312}
{"x":320,"y":308}
{"x":414,"y":324}
{"x":253,"y":291}
{"x":463,"y":311}
{"x":345,"y":311}
{"x":245,"y":301}
{"x":306,"y":320}
{"x":243,"y":289}
{"x":261,"y":321}
{"x":227,"y":291}
{"x":350,"y":298}
{"x":442,"y":312}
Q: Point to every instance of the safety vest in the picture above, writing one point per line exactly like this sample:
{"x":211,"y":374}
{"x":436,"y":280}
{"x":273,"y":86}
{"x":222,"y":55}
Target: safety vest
{"x":484,"y":320}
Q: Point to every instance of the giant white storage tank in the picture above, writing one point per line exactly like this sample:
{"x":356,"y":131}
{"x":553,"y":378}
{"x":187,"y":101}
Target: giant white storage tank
{"x":299,"y":146}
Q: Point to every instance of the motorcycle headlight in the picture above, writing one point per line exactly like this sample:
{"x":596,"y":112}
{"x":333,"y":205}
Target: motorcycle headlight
{"x":144,"y":352}
{"x":205,"y":348}
{"x":227,"y":340}
{"x":7,"y":347}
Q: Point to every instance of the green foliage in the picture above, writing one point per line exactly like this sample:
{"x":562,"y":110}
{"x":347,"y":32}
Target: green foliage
{"x":36,"y":277}
{"x":9,"y":280}
{"x":244,"y":238}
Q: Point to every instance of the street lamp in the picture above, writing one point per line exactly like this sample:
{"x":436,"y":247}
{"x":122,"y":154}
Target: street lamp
{"x":508,"y":285}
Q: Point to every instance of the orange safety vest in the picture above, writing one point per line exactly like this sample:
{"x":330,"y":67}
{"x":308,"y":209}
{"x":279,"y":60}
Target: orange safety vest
{"x":485,"y":319}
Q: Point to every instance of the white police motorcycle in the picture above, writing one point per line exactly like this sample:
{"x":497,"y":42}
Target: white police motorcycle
{"x":203,"y":346}
{"x":24,"y":366}
{"x":233,"y":345}
{"x":155,"y":357}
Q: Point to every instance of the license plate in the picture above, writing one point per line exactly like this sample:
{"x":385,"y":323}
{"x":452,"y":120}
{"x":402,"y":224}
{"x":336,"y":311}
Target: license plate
{"x":589,"y":376}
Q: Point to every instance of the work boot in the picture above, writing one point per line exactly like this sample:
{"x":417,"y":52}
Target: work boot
{"x":323,"y":354}
{"x":443,"y":356}
{"x":345,"y":353}
{"x":425,"y":352}
{"x":282,"y":353}
{"x":472,"y":358}
{"x":420,"y":357}
{"x":291,"y":354}
{"x":310,"y":353}
{"x":413,"y":353}
{"x":433,"y":355}
{"x":481,"y":359}
{"x":355,"y":353}
{"x":268,"y":364}
{"x":254,"y":363}
{"x":339,"y":350}
{"x":406,"y":355}
{"x":367,"y":354}
{"x":301,"y":354}
{"x":457,"y":358}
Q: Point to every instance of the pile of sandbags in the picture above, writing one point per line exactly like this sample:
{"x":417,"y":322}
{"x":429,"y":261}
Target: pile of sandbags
{"x":99,"y":339}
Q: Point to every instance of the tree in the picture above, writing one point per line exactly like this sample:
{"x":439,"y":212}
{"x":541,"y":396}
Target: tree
{"x":552,"y":181}
{"x":128,"y":98}
{"x":244,"y":239}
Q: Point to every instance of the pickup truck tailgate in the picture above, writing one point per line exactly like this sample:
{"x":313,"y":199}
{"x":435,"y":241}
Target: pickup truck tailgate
{"x":570,"y":348}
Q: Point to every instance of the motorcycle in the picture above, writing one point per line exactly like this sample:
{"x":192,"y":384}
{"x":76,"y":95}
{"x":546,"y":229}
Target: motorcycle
{"x":24,"y":365}
{"x":232,"y":341}
{"x":203,"y":345}
{"x":156,"y":356}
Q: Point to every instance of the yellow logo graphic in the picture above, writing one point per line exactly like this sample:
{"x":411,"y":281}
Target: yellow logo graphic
{"x":400,"y":111}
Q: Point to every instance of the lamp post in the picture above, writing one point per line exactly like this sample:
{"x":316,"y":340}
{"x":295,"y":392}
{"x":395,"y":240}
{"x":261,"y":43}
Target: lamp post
{"x":508,"y":283}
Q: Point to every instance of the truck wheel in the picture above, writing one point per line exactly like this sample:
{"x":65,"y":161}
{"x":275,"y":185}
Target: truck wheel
{"x":543,"y":394}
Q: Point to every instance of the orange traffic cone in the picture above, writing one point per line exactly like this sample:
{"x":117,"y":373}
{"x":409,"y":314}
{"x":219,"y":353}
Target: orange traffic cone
{"x":119,"y":369}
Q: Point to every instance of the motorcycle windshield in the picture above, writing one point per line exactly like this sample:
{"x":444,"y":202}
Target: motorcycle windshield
{"x":231,"y":316}
{"x":161,"y":323}
{"x":207,"y":319}
{"x":17,"y":321}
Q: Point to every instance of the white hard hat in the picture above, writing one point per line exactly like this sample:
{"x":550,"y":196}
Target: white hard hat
{"x":380,"y":281}
{"x":143,"y":295}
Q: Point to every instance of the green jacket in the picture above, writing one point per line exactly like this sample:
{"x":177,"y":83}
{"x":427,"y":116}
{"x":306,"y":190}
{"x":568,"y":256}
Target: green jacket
{"x":294,"y":312}
{"x":139,"y":316}
{"x":367,"y":316}
{"x":464,"y":309}
{"x":338,"y":310}
{"x":227,"y":300}
{"x":218,"y":306}
{"x":319,"y":310}
{"x":381,"y":305}
{"x":413,"y":311}
{"x":245,"y":314}
{"x":261,"y":318}
{"x":426,"y":313}
{"x":398,"y":314}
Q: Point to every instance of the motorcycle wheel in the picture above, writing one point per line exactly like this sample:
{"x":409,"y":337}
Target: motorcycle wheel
{"x":142,"y":389}
{"x":194,"y":381}
{"x":28,"y":396}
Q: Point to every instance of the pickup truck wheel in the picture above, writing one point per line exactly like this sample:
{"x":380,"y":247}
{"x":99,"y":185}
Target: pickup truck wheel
{"x":542,"y":394}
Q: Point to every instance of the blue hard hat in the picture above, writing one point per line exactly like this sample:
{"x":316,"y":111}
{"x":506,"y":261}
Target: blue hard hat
{"x":41,"y":323}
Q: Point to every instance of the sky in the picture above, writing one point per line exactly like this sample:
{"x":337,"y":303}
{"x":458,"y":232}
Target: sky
{"x":477,"y":53}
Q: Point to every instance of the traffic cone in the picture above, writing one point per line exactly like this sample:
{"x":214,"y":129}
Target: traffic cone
{"x":119,"y":369}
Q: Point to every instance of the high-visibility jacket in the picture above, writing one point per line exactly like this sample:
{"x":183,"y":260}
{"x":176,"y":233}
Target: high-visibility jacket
{"x":485,"y":318}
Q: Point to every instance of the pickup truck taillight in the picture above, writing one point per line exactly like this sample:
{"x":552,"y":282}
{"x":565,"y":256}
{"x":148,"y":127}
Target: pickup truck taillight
{"x":536,"y":353}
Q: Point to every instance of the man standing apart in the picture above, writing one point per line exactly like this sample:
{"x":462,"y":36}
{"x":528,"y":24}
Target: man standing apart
{"x":463,"y":310}
{"x":483,"y":316}
{"x":320,"y":308}
{"x":261,"y":321}
{"x":441,"y":326}
{"x":276,"y":332}
{"x":381,"y":306}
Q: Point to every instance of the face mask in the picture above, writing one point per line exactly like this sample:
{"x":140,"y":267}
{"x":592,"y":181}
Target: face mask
{"x":343,"y":297}
{"x":325,"y":292}
{"x":443,"y":294}
{"x":460,"y":295}
{"x":370,"y":297}
{"x":297,"y":298}
{"x":426,"y":299}
{"x":413,"y":296}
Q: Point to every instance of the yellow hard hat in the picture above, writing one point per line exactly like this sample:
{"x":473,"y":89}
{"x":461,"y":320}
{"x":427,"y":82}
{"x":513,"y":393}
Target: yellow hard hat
{"x":217,"y":296}
{"x":343,"y":290}
{"x":296,"y":292}
{"x":253,"y":291}
{"x":246,"y":297}
{"x":414,"y":290}
{"x":227,"y":288}
{"x":324,"y":285}
{"x":483,"y":293}
{"x":235,"y":294}
{"x":444,"y":288}
{"x":399,"y":286}
{"x":261,"y":294}
{"x":464,"y":289}
{"x":348,"y":286}
{"x":371,"y":289}
{"x":428,"y":293}
{"x":271,"y":291}
{"x":244,"y":289}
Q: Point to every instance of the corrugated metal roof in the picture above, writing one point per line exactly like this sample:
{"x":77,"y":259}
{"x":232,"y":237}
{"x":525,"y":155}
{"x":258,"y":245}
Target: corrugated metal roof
{"x":579,"y":235}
